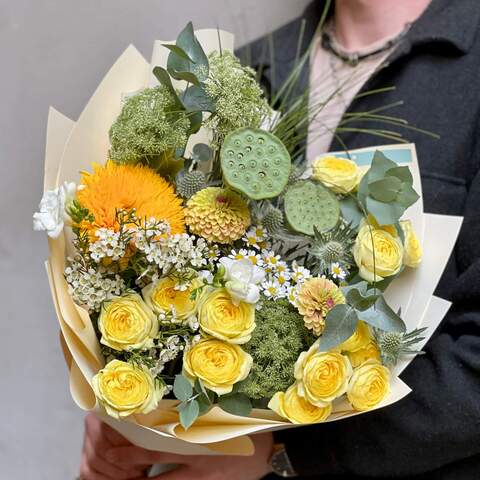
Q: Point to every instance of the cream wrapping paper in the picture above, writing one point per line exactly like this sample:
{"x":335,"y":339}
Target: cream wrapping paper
{"x":72,"y":146}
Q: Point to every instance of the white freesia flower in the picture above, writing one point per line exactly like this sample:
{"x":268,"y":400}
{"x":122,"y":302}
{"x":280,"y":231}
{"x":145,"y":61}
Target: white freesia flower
{"x":242,"y":279}
{"x":52,"y":215}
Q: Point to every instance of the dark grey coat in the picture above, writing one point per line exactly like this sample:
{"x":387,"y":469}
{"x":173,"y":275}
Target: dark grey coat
{"x":434,"y":433}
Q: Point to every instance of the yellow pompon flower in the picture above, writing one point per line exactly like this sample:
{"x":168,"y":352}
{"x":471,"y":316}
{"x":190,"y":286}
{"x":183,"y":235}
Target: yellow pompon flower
{"x":218,"y":215}
{"x":370,"y":352}
{"x":218,"y":364}
{"x":220,"y":317}
{"x":113,"y":187}
{"x":369,"y":385}
{"x":360,"y":339}
{"x":124,"y":389}
{"x":322,"y":376}
{"x":291,"y":406}
{"x":163,"y":296}
{"x":316,"y":297}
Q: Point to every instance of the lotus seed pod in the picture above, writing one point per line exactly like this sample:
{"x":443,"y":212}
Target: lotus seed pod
{"x":191,"y":183}
{"x":309,"y":205}
{"x":273,"y":220}
{"x":255,"y":163}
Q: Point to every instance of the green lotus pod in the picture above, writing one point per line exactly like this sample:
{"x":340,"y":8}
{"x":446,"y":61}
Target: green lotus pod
{"x":309,"y":204}
{"x":255,"y":163}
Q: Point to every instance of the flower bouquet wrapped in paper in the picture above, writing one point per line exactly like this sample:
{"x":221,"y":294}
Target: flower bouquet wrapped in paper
{"x":207,"y":286}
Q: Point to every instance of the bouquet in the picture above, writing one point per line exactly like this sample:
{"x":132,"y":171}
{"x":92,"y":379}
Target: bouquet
{"x":206,"y":284}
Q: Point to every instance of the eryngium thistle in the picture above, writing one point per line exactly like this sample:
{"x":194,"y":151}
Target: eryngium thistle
{"x":273,"y":220}
{"x":295,"y":175}
{"x":334,"y":246}
{"x":149,"y":124}
{"x":191,"y":183}
{"x":393,"y":345}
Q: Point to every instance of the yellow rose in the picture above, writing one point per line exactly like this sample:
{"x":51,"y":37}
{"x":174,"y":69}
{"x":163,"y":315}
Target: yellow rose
{"x":123,"y":389}
{"x":339,"y":174}
{"x":218,"y":364}
{"x":370,"y":352}
{"x":127,"y":323}
{"x":360,"y":339}
{"x":219,"y":317}
{"x":385,"y":257}
{"x":369,"y":385}
{"x":322,"y":376}
{"x":413,"y":250}
{"x":291,"y":406}
{"x":164,"y":296}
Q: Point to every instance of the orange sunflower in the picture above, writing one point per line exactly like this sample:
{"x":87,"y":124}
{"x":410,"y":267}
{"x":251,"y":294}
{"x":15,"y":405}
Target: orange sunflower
{"x":113,"y":187}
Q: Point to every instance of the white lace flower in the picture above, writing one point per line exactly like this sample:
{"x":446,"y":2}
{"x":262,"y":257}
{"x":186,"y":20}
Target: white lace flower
{"x":52,"y":213}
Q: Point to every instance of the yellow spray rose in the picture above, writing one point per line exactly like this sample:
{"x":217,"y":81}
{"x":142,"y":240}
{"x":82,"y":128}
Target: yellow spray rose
{"x":164,"y":296}
{"x":339,"y":174}
{"x":127,"y":323}
{"x":384,"y":255}
{"x":322,"y":376}
{"x":369,"y":385}
{"x":413,"y":250}
{"x":218,"y":364}
{"x":220,"y":317}
{"x":370,"y":352}
{"x":123,"y":389}
{"x":291,"y":406}
{"x":360,"y":339}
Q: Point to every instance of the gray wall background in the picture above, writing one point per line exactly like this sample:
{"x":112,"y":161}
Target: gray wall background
{"x":55,"y":52}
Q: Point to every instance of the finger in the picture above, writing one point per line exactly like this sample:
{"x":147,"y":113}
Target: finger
{"x":180,"y":473}
{"x":87,"y":473}
{"x":100,"y":465}
{"x":102,"y":432}
{"x":129,"y":456}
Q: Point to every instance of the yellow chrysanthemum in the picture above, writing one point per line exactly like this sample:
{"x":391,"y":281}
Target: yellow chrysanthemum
{"x":317,"y":296}
{"x":112,"y":187}
{"x":217,"y":214}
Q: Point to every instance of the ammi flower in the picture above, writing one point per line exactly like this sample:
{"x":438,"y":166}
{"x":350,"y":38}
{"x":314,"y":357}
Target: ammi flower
{"x":164,"y":296}
{"x":218,"y":364}
{"x":412,"y":249}
{"x":221,"y":317}
{"x":114,"y":187}
{"x":297,"y":409}
{"x":339,"y":174}
{"x":369,"y":385}
{"x":360,"y":339}
{"x":316,"y":297}
{"x":127,"y":323}
{"x":322,"y":376}
{"x":124,"y":389}
{"x":378,"y":252}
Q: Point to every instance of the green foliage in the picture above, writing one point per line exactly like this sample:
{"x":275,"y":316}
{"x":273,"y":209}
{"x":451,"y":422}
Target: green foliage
{"x":340,"y":324}
{"x":386,"y":190}
{"x":148,"y":126}
{"x":309,"y":205}
{"x":237,"y":96}
{"x":278,"y":339}
{"x":182,"y":388}
{"x":236,"y":404}
{"x":255,"y":163}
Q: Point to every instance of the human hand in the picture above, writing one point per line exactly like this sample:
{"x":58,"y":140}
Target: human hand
{"x":199,"y":467}
{"x":98,"y":440}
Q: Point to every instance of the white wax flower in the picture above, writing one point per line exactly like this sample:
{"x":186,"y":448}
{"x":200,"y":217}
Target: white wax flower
{"x":52,"y":214}
{"x":242,"y":279}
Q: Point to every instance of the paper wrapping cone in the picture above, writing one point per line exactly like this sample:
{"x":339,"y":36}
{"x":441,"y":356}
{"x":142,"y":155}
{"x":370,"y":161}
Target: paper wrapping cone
{"x":71,"y":148}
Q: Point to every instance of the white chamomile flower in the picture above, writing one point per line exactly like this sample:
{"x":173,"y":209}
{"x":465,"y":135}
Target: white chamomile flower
{"x":337,"y":271}
{"x":240,"y":255}
{"x":255,"y":258}
{"x":273,"y":289}
{"x":255,"y":237}
{"x":299,"y":273}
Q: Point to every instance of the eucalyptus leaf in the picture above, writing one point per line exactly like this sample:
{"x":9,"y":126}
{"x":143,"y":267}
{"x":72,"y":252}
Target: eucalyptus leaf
{"x":178,"y":51}
{"x":386,"y":189}
{"x":203,"y":406}
{"x":195,"y":99}
{"x":164,"y":78}
{"x":182,"y":388}
{"x":195,"y":119}
{"x":408,"y":196}
{"x":383,"y":317}
{"x":189,"y":412}
{"x":402,"y":173}
{"x":236,"y":404}
{"x":202,"y":152}
{"x":351,"y":212}
{"x":384,"y":213}
{"x":186,"y":76}
{"x":340,"y":324}
{"x":362,"y":300}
